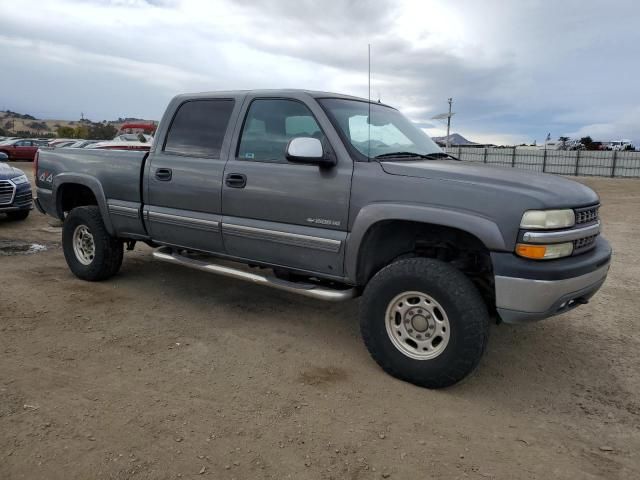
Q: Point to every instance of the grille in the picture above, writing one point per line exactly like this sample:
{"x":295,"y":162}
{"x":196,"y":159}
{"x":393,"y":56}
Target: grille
{"x":7,"y":189}
{"x":22,"y":199}
{"x":587,"y":215}
{"x":583,"y":244}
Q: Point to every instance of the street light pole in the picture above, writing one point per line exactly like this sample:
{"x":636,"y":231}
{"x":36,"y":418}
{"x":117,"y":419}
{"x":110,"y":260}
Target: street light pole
{"x":449,"y":124}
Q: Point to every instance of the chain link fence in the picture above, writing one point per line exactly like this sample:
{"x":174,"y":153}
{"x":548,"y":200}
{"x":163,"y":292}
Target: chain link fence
{"x":585,"y":163}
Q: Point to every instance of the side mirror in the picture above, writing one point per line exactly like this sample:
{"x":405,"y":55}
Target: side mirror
{"x":308,"y":150}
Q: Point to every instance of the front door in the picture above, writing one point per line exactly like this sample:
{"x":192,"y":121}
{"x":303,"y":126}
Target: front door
{"x":282,"y":213}
{"x":184,"y":176}
{"x":24,"y":150}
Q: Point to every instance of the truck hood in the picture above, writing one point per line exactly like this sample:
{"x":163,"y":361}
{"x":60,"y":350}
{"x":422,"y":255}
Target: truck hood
{"x":7,"y":172}
{"x":551,"y":190}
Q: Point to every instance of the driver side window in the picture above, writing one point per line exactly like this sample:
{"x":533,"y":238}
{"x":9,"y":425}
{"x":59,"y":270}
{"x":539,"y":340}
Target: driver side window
{"x":269,"y":126}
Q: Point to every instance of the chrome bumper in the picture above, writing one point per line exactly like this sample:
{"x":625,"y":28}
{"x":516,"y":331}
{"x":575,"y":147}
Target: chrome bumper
{"x":521,"y":300}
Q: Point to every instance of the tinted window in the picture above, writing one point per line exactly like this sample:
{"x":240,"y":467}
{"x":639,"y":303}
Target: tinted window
{"x":198,"y":128}
{"x":269,"y":126}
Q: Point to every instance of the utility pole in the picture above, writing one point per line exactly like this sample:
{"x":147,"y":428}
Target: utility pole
{"x":448,"y":116}
{"x":449,"y":124}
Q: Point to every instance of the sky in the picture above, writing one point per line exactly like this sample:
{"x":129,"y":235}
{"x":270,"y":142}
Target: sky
{"x":517,"y":70}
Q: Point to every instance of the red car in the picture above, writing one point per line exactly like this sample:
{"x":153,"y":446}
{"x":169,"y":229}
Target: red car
{"x":20,"y":149}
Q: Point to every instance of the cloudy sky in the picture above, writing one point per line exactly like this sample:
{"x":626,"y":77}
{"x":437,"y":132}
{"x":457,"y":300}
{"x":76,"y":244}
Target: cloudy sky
{"x":517,"y":70}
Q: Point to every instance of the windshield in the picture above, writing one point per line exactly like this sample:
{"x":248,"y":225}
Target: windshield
{"x":386,"y":132}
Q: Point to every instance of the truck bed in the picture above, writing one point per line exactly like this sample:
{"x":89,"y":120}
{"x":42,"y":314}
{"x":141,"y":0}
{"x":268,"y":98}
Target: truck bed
{"x":113,"y":176}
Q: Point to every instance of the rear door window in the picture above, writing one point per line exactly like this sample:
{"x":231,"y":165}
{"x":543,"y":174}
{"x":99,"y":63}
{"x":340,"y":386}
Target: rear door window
{"x":198,"y":128}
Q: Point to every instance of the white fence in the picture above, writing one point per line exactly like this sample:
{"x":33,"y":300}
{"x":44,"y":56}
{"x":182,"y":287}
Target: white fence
{"x":564,"y":162}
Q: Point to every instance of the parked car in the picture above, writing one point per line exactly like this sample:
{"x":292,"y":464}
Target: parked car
{"x":133,"y":137}
{"x":15,"y":191}
{"x":61,"y":141}
{"x":66,"y":143}
{"x":620,"y":145}
{"x":337,"y":197}
{"x":82,"y":143}
{"x":135,"y":127}
{"x":121,"y":145}
{"x":20,"y":149}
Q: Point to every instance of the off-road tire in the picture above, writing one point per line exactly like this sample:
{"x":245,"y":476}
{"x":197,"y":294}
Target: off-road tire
{"x":466,"y":311}
{"x":109,"y":251}
{"x":19,"y":215}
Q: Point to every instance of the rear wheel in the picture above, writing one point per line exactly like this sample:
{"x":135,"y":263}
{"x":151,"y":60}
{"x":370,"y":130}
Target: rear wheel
{"x":91,"y":253}
{"x":19,"y":215}
{"x":424,"y":322}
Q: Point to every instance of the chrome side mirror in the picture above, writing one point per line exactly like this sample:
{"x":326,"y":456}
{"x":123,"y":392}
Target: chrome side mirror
{"x":308,"y":150}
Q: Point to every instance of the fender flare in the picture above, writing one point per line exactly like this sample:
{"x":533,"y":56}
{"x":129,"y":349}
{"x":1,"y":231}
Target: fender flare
{"x":485,"y":229}
{"x":92,"y":184}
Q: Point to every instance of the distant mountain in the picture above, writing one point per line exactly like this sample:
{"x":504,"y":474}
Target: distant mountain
{"x":456,"y":139}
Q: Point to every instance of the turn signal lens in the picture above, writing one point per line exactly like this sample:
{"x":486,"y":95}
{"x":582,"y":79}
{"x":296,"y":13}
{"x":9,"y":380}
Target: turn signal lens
{"x":544,"y":252}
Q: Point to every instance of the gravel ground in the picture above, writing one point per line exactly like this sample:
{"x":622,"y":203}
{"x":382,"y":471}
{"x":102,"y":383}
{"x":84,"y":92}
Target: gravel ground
{"x":163,"y":372}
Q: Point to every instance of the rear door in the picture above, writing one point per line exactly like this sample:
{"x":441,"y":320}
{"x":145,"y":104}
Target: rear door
{"x":281,"y":213}
{"x":184,"y":175}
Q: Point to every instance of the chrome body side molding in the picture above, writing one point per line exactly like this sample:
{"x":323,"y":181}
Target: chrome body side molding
{"x":294,"y":239}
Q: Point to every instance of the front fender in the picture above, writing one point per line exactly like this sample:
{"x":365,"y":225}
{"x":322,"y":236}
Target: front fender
{"x":92,"y":184}
{"x":483,"y":228}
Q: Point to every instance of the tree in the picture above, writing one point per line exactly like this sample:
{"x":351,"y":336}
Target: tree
{"x":589,"y":144}
{"x":38,"y":126}
{"x":563,"y":141}
{"x":65,"y":132}
{"x":102,"y":131}
{"x":81,"y":131}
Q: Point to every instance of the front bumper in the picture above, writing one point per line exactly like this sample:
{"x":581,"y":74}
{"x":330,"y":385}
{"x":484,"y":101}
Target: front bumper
{"x":22,"y":200}
{"x":527,"y":290}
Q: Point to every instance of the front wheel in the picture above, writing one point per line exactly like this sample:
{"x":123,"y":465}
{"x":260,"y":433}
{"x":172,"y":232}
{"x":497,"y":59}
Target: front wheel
{"x":424,"y":322}
{"x":91,"y":253}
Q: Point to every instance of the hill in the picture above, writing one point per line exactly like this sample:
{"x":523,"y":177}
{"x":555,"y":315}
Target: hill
{"x":24,"y":125}
{"x":456,"y":139}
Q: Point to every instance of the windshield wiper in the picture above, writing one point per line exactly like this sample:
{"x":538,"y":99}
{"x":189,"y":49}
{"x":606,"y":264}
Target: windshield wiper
{"x":440,"y":155}
{"x":401,"y":155}
{"x":426,"y":156}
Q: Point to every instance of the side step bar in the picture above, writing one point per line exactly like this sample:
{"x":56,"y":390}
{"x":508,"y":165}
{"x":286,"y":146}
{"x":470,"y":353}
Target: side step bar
{"x":166,"y":254}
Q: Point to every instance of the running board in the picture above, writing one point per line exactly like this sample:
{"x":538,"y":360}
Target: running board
{"x":166,"y":254}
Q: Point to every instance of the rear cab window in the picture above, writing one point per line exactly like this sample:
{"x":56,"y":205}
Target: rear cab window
{"x":198,"y":128}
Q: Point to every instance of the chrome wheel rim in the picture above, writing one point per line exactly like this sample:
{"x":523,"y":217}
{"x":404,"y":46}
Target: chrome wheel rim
{"x":417,"y":325}
{"x":83,"y":245}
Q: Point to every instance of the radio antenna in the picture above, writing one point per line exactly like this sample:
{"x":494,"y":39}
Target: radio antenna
{"x":369,"y":102}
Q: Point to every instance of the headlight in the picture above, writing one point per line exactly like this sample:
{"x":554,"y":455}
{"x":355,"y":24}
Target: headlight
{"x":544,"y":252}
{"x":20,"y":180}
{"x":548,"y":219}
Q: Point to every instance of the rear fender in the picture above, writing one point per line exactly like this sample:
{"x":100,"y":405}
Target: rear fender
{"x":92,"y":184}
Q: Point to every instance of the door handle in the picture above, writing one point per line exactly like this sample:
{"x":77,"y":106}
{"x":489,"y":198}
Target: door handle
{"x":236,"y":180}
{"x":164,"y":174}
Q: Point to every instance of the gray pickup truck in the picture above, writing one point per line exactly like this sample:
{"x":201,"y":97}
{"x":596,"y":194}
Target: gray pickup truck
{"x":332,"y":197}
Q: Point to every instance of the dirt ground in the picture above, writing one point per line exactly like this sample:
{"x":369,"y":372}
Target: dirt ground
{"x":163,"y":373}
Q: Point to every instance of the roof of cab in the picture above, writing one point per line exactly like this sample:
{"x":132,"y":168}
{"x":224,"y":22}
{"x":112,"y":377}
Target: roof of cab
{"x":270,"y":93}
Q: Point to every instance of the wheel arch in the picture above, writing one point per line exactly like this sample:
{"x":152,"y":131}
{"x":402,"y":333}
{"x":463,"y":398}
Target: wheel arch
{"x":76,"y":190}
{"x":390,"y":228}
